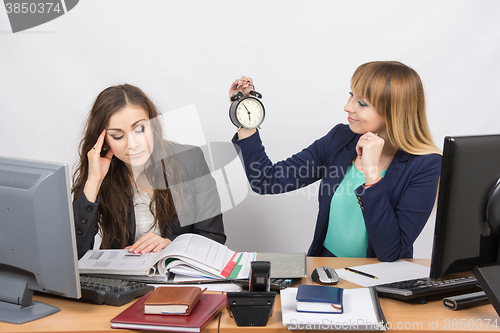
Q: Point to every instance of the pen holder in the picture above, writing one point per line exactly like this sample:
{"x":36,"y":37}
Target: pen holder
{"x":251,"y":308}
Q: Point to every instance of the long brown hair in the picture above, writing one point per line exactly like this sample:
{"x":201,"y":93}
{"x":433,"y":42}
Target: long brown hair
{"x":396,"y":92}
{"x":116,"y":191}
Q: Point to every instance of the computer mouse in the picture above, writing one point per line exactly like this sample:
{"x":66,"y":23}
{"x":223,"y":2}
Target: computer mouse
{"x":325,"y":275}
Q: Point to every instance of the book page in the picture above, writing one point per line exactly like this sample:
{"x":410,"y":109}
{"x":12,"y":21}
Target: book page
{"x":201,"y":253}
{"x":199,"y":249}
{"x":117,"y":262}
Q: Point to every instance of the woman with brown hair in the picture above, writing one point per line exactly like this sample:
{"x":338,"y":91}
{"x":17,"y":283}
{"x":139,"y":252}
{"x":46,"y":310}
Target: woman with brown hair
{"x":379,"y":174}
{"x":136,"y":189}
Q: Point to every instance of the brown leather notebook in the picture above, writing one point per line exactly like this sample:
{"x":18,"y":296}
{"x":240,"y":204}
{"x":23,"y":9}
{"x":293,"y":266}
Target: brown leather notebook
{"x":209,"y":306}
{"x":172,"y":300}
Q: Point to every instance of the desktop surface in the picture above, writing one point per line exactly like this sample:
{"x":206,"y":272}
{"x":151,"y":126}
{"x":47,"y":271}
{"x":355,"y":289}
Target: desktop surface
{"x":402,"y":316}
{"x":78,"y":316}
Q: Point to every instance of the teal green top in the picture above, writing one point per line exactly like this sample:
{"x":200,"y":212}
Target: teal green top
{"x":347,"y":235}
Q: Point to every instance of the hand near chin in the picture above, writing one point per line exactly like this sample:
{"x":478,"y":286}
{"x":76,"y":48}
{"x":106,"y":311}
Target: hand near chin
{"x":150,"y":242}
{"x":369,"y":150}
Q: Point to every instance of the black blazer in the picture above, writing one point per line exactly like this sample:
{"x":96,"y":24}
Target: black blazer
{"x":205,"y":217}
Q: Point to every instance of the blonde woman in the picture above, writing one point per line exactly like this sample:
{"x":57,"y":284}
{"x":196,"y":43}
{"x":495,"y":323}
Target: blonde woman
{"x":379,"y":174}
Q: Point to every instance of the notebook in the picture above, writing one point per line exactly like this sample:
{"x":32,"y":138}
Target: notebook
{"x":208,"y":307}
{"x":322,"y":299}
{"x":172,"y":300}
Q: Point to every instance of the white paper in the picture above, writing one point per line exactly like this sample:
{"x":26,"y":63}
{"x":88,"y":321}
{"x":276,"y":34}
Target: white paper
{"x":210,"y":285}
{"x":386,"y":272}
{"x":223,"y":286}
{"x":359,"y":313}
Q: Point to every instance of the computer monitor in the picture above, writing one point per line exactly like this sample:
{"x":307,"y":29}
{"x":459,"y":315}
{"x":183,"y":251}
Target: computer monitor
{"x":37,"y":238}
{"x":467,"y":218}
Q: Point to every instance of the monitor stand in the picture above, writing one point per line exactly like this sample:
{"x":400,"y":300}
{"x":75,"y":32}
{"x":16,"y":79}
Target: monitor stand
{"x":489,"y":276}
{"x":16,"y":305}
{"x":17,"y":314}
{"x":489,"y":279}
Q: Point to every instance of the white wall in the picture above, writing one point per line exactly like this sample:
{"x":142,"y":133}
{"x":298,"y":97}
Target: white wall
{"x":301,"y":55}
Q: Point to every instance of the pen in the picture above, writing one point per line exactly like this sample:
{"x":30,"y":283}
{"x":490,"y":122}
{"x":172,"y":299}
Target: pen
{"x":360,"y":273}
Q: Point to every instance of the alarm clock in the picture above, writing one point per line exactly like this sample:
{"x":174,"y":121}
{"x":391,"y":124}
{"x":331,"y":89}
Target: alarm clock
{"x":247,"y":112}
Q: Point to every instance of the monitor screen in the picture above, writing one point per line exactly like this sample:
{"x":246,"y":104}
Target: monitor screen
{"x":469,"y":175}
{"x":37,"y":238}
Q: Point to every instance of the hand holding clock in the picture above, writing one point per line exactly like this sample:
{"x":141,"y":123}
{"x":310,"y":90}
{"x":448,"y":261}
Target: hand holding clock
{"x":245,"y":85}
{"x":246,"y":110}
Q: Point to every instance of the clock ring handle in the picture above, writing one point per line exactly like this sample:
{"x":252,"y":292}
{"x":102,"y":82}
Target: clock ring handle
{"x":237,"y":95}
{"x":255,"y":93}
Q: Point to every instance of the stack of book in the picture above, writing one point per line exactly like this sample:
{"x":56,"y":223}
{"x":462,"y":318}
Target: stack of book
{"x":181,"y":309}
{"x":313,"y":307}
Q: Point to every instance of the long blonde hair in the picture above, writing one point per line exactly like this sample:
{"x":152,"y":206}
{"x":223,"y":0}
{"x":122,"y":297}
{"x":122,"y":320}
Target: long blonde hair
{"x":396,"y":92}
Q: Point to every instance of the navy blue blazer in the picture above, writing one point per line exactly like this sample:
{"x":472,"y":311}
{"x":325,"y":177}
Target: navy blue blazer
{"x":395,"y":209}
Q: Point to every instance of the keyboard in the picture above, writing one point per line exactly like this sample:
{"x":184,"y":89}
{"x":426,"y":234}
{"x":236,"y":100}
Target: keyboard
{"x":276,"y":284}
{"x":409,"y":289}
{"x":111,"y":291}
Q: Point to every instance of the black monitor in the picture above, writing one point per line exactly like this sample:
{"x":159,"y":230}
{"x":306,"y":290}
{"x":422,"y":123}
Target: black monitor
{"x":467,"y":218}
{"x":37,"y":238}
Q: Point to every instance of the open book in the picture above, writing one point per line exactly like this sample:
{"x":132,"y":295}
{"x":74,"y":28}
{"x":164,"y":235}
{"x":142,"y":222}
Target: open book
{"x":188,"y":254}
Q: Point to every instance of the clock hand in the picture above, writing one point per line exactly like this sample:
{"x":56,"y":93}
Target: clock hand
{"x":248,"y":111}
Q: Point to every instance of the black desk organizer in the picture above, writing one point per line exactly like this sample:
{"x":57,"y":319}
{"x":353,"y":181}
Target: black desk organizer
{"x":254,"y":308}
{"x":251,"y":308}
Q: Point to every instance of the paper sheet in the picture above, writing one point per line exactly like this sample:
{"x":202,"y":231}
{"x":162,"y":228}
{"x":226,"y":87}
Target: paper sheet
{"x":225,"y":287}
{"x":386,"y":272}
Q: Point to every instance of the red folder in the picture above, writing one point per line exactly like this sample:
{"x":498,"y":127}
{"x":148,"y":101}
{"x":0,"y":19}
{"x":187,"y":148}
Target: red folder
{"x":207,"y":308}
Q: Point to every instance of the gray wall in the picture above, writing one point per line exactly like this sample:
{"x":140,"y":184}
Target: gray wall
{"x":301,"y":55}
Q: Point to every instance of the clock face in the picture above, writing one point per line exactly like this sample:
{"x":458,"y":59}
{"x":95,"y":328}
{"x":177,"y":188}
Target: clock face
{"x":250,"y":112}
